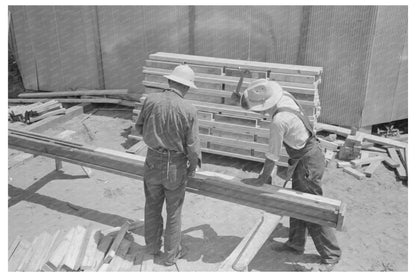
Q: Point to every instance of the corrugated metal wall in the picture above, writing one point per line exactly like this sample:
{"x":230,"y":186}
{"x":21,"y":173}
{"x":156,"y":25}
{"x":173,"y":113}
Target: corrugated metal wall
{"x":69,"y":47}
{"x":386,"y":94}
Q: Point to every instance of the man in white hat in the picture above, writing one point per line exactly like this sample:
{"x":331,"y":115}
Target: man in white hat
{"x":169,"y":127}
{"x":291,"y":128}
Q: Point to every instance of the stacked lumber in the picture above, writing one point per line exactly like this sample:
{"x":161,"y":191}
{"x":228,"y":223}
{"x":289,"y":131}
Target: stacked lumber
{"x":76,"y":249}
{"x":362,"y":166}
{"x":36,"y":111}
{"x":225,"y":128}
{"x":280,"y":201}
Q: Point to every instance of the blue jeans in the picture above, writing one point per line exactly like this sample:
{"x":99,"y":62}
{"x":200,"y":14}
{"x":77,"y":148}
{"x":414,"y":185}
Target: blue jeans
{"x":307,"y":178}
{"x":165,"y":178}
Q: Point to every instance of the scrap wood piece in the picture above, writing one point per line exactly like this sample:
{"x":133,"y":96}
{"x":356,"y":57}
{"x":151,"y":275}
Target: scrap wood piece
{"x":47,"y":250}
{"x":391,"y":163}
{"x":91,"y":248}
{"x":367,"y":137}
{"x":74,"y":249}
{"x":227,"y":264}
{"x":26,"y":258}
{"x":400,"y":170}
{"x":57,"y":239}
{"x":19,"y":254}
{"x":74,"y":93}
{"x":117,"y":260}
{"x":48,"y":114}
{"x":147,"y":263}
{"x":357,"y":174}
{"x":102,"y":249}
{"x":369,"y":171}
{"x":114,"y":231}
{"x":256,"y":241}
{"x":359,"y":162}
{"x":39,"y":245}
{"x":84,"y":244}
{"x":58,"y":255}
{"x":116,"y":243}
{"x":14,"y":245}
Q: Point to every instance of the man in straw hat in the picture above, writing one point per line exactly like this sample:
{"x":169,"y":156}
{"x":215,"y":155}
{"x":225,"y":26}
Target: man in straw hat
{"x":291,"y":128}
{"x":170,"y":130}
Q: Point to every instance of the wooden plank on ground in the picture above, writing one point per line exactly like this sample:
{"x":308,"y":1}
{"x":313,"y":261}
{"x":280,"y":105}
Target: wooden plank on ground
{"x":74,"y":93}
{"x":102,"y":249}
{"x":48,"y":114}
{"x":47,"y":250}
{"x":74,"y":249}
{"x":18,"y":255}
{"x":343,"y":164}
{"x":55,"y":260}
{"x":357,"y":174}
{"x":14,"y":245}
{"x":92,"y":244}
{"x":256,"y":241}
{"x":59,"y":236}
{"x":26,"y":258}
{"x":359,"y":162}
{"x":42,"y":242}
{"x":84,"y":245}
{"x":227,"y":264}
{"x":117,"y":261}
{"x":369,"y":171}
{"x":400,"y":170}
{"x":116,"y":243}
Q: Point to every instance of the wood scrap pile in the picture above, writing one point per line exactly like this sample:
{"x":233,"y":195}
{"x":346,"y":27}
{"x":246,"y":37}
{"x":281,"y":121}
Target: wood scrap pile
{"x":358,"y":154}
{"x":225,"y":128}
{"x":79,"y":249}
{"x":77,"y":96}
{"x":36,"y":111}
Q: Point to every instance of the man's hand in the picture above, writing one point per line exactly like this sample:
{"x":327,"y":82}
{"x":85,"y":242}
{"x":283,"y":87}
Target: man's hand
{"x":190,"y":171}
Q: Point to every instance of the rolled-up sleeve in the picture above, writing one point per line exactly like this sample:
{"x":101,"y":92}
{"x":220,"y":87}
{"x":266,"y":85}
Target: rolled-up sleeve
{"x":277,"y":131}
{"x":192,"y":143}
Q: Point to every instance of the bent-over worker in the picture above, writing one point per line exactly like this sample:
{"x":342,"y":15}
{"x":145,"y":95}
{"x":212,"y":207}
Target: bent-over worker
{"x":291,"y":128}
{"x":170,"y":130}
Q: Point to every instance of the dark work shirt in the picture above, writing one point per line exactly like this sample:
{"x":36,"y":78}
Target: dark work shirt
{"x":166,"y":121}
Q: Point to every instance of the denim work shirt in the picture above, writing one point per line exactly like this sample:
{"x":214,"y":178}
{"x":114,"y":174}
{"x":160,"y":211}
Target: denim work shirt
{"x":167,"y":122}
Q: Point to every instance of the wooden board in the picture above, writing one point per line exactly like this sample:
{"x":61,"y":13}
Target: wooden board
{"x":400,"y":170}
{"x":74,"y":93}
{"x":116,"y":243}
{"x":369,"y":171}
{"x":14,"y":245}
{"x":91,"y":249}
{"x":19,"y":254}
{"x":357,"y":174}
{"x":274,"y":67}
{"x":312,"y":208}
{"x":58,"y":255}
{"x":39,"y":245}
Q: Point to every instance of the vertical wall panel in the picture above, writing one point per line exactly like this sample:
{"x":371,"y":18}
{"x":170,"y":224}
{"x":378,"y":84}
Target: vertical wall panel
{"x":339,"y":39}
{"x":130,"y":34}
{"x":388,"y":43}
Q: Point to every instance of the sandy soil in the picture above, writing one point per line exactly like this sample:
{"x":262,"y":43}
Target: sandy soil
{"x":40,"y":199}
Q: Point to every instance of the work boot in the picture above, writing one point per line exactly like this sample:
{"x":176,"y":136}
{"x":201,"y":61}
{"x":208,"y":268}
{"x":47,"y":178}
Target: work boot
{"x":286,"y":248}
{"x":181,"y":253}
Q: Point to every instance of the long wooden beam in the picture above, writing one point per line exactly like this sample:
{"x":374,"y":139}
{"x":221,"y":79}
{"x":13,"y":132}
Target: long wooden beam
{"x":274,"y":200}
{"x":74,"y":93}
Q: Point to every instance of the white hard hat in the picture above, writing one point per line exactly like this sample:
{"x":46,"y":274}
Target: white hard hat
{"x":261,"y":95}
{"x":182,"y":74}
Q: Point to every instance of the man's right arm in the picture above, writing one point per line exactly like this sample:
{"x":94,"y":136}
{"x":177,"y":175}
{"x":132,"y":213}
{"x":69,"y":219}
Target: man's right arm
{"x":193,"y":148}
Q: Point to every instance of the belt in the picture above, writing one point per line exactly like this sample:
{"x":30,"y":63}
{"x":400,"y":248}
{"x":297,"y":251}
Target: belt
{"x":164,"y":151}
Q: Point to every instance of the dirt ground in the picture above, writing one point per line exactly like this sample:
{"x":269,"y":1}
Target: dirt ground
{"x":41,"y":199}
